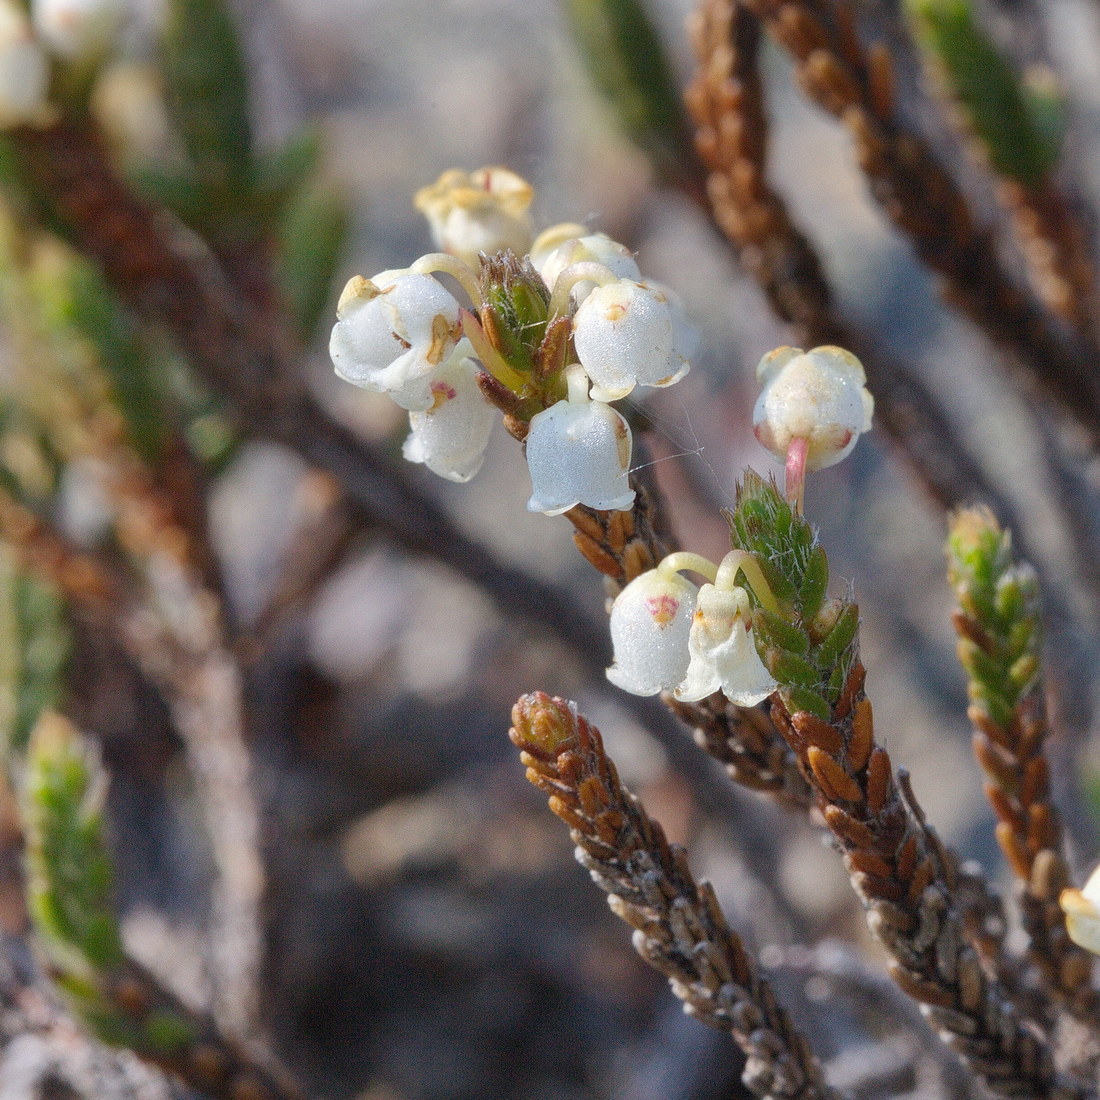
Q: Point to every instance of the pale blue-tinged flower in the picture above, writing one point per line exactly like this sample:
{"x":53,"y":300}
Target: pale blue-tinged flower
{"x":1082,"y":910}
{"x":626,"y":335}
{"x":24,"y":68}
{"x":77,"y":28}
{"x":722,"y":652}
{"x":578,"y":452}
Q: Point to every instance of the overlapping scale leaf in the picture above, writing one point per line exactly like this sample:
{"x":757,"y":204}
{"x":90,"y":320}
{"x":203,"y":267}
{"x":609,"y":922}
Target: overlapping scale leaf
{"x":809,"y":643}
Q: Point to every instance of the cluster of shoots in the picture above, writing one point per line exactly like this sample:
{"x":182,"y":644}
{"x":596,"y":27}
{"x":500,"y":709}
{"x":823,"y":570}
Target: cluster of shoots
{"x":552,"y":330}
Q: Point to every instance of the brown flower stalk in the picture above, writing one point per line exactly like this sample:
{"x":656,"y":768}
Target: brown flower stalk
{"x":679,"y":928}
{"x":917,"y":192}
{"x":906,"y":882}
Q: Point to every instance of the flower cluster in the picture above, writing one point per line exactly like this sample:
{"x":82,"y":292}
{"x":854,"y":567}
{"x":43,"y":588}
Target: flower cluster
{"x":552,"y":330}
{"x":670,"y":635}
{"x":72,"y":30}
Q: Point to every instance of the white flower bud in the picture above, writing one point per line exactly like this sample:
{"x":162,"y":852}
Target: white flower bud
{"x":578,"y":452}
{"x":392,"y":332}
{"x":592,"y":248}
{"x":820,"y":396}
{"x":483,"y":211}
{"x":1082,"y":910}
{"x":450,"y":438}
{"x":722,"y":651}
{"x":77,"y":28}
{"x":24,"y":69}
{"x":650,"y":623}
{"x":626,"y":336}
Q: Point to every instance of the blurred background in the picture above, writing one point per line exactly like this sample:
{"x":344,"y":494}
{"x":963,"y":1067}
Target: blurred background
{"x":426,"y":934}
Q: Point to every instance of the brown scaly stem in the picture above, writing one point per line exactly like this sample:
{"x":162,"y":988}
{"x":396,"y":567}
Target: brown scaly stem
{"x":1054,"y":246}
{"x":726,"y":100}
{"x":904,"y":876}
{"x":900,"y":872}
{"x":745,"y":742}
{"x":620,"y":545}
{"x":679,"y":927}
{"x":922,"y":200}
{"x":999,"y":629}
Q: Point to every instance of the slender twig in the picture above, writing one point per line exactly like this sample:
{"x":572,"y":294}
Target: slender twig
{"x":679,"y":928}
{"x":998,"y":623}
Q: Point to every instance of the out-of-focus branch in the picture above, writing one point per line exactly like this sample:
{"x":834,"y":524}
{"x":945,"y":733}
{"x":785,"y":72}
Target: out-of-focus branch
{"x":923,"y":201}
{"x":726,"y":101}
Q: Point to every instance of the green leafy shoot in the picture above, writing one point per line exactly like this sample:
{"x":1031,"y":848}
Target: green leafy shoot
{"x":70,"y":875}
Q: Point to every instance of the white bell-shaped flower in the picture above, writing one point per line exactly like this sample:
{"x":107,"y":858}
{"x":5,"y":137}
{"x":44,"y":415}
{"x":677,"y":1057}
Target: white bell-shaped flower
{"x":482,"y":211}
{"x":578,"y":452}
{"x":722,"y":651}
{"x":626,"y":335}
{"x":592,"y":248}
{"x":450,"y":438}
{"x":820,"y":396}
{"x":650,"y":624}
{"x":24,"y":68}
{"x":1082,"y":910}
{"x":77,"y":28}
{"x":392,"y":332}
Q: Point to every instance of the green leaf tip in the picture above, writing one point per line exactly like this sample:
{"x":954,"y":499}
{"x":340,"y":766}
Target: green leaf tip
{"x":34,"y":651}
{"x":811,"y":644}
{"x":999,"y":619}
{"x":1016,"y":125}
{"x":69,"y":871}
{"x":207,"y":85}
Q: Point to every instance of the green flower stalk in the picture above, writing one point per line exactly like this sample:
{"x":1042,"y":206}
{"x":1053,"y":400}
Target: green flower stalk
{"x":998,"y":621}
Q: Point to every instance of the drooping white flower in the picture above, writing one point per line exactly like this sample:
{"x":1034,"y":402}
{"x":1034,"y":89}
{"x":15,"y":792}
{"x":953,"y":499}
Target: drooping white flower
{"x":77,"y":28}
{"x":450,"y":437}
{"x":24,"y":68}
{"x":820,"y":396}
{"x":591,"y":248}
{"x":1082,"y":910}
{"x":650,"y":624}
{"x":578,"y":452}
{"x":722,"y":651}
{"x":482,"y":211}
{"x":626,"y":336}
{"x":392,"y":332}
